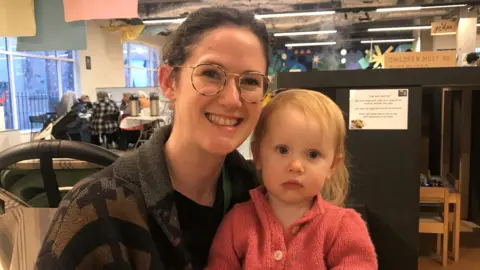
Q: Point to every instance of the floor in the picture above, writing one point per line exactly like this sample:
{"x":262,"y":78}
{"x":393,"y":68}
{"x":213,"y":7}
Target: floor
{"x":469,"y":253}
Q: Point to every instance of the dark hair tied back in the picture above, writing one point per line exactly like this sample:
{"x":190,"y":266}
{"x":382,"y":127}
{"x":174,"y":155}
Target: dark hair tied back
{"x":178,"y":49}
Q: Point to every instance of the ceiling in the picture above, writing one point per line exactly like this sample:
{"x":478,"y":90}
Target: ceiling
{"x":351,"y":20}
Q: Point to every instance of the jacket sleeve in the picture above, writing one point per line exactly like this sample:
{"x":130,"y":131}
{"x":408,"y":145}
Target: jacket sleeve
{"x":352,"y":248}
{"x":90,"y":229}
{"x":223,"y":255}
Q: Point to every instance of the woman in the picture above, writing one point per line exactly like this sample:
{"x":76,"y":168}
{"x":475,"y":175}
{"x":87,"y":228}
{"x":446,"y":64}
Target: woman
{"x":71,"y":108}
{"x":104,"y":120}
{"x":160,"y":207}
{"x":69,"y":98}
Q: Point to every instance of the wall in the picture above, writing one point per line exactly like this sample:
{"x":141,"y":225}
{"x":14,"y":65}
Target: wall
{"x":106,"y":53}
{"x":448,"y":42}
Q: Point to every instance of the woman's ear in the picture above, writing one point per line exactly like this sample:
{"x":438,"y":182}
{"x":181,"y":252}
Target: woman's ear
{"x":166,"y":81}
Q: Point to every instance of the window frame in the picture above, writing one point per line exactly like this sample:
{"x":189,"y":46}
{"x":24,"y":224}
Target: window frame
{"x":151,"y":71}
{"x":10,"y":54}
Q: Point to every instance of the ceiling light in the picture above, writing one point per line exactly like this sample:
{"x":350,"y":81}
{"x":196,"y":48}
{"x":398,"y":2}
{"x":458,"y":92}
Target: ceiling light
{"x":403,"y":28}
{"x":305,"y":33}
{"x":294,"y":14}
{"x":388,"y":40}
{"x":445,"y":6}
{"x":393,"y":9}
{"x":161,"y":21}
{"x":310,"y":44}
{"x":398,"y":9}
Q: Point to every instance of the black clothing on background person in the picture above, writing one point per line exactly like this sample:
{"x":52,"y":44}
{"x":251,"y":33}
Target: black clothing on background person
{"x":130,"y":212}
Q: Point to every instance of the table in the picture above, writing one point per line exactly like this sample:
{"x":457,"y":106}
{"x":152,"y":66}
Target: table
{"x":134,"y":121}
{"x":455,"y":199}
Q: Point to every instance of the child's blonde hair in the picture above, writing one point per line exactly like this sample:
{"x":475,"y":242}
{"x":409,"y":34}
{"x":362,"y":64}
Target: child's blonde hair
{"x":330,"y":118}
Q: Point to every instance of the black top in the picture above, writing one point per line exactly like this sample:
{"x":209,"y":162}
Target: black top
{"x":199,"y":224}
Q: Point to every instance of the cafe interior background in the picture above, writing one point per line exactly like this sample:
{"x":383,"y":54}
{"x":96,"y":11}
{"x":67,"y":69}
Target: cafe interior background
{"x":50,"y":47}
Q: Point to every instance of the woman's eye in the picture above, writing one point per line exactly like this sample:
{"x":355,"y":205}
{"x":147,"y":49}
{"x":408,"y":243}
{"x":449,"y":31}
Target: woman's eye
{"x":212,"y":74}
{"x":313,"y":154}
{"x":249,"y":82}
{"x":282,"y":150}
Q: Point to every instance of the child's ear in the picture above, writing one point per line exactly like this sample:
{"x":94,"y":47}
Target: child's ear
{"x":336,"y":161}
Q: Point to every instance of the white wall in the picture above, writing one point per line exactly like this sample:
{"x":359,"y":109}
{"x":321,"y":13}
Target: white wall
{"x":106,"y":52}
{"x":448,"y":42}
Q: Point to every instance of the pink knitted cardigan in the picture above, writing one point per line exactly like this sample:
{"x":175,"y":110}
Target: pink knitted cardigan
{"x":326,"y":237}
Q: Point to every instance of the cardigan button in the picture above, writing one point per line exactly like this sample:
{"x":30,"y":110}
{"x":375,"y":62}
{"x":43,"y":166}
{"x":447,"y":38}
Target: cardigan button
{"x":278,"y":255}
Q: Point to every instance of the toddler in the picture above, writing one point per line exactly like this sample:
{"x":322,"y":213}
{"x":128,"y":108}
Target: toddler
{"x":296,"y":220}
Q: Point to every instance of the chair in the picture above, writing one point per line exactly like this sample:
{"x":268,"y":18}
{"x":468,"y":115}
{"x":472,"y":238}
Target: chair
{"x":36,"y":122}
{"x":435,"y":223}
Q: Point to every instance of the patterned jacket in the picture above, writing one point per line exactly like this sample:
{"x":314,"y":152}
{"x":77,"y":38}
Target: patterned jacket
{"x":125,"y":217}
{"x":105,"y":117}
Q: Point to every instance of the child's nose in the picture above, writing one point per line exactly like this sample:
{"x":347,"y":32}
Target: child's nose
{"x":296,"y":166}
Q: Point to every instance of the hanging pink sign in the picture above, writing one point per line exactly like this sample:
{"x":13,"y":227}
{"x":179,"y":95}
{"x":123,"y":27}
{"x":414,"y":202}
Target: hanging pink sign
{"x":79,"y":10}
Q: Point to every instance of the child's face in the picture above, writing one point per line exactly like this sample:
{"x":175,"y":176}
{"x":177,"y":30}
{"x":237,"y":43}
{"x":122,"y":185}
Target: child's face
{"x":296,"y":157}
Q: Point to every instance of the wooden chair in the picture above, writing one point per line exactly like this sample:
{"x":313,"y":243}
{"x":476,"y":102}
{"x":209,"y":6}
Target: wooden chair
{"x":436,"y":223}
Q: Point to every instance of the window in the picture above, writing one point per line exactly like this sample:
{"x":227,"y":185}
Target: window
{"x":32,"y":83}
{"x":141,"y":63}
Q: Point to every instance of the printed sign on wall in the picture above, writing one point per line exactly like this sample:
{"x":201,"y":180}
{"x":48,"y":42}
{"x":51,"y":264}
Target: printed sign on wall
{"x":421,"y":59}
{"x":381,"y":109}
{"x":442,"y":28}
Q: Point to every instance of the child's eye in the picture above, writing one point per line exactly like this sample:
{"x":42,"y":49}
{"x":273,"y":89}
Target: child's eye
{"x":313,"y":154}
{"x":282,"y":149}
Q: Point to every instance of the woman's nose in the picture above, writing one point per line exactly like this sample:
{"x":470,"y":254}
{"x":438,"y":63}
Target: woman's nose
{"x":296,"y":166}
{"x":230,"y":94}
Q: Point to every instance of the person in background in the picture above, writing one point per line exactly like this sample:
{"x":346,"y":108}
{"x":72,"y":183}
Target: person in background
{"x":143,"y":100}
{"x":104,"y":120}
{"x":473,"y":59}
{"x":296,"y":219}
{"x":125,"y":100}
{"x":67,"y":100}
{"x":83,"y":114}
{"x":143,"y":103}
{"x":69,"y":109}
{"x":159,"y":207}
{"x":85,"y":99}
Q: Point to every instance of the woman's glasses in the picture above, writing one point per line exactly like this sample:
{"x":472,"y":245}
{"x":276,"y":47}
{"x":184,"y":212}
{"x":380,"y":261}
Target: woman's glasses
{"x":209,"y":80}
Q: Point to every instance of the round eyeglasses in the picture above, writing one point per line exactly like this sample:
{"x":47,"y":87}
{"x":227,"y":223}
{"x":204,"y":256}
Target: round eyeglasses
{"x":210,"y":79}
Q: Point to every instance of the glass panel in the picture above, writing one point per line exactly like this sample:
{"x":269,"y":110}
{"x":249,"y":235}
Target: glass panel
{"x":36,"y":87}
{"x":155,"y":58}
{"x":65,"y":54}
{"x":125,"y":53}
{"x":140,"y":77}
{"x":127,"y":77}
{"x":139,"y":55}
{"x":68,"y":78}
{"x":6,"y":112}
{"x":155,"y":78}
{"x":3,"y":44}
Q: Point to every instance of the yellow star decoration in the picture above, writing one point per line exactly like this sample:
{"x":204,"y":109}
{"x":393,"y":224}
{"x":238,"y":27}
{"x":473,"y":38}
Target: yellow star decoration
{"x":316,"y":59}
{"x":377,"y":57}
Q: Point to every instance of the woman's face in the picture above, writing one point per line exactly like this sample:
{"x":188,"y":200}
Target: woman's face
{"x":210,"y":121}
